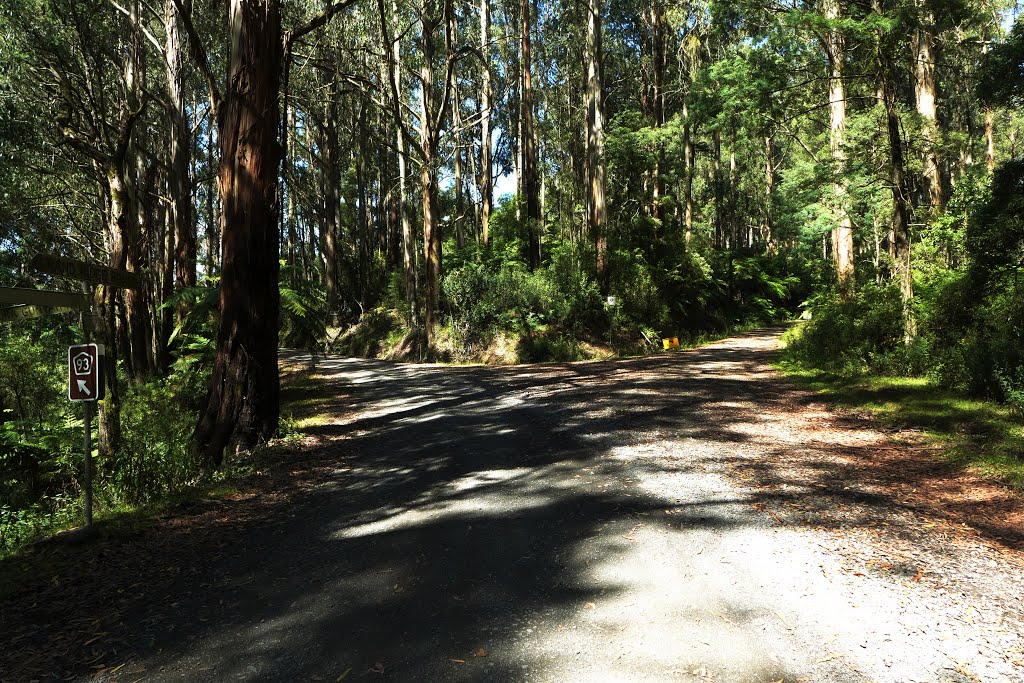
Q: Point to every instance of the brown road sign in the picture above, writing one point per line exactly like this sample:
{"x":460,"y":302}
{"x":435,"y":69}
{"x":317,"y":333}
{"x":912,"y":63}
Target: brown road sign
{"x":87,"y":272}
{"x":85,"y":382}
{"x":43,"y":297}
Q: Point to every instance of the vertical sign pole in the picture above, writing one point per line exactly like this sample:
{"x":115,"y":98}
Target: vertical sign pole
{"x":88,"y":463}
{"x":89,"y":327}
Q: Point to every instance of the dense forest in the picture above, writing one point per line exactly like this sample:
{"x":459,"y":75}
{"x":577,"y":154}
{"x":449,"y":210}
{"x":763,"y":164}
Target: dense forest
{"x":495,"y":180}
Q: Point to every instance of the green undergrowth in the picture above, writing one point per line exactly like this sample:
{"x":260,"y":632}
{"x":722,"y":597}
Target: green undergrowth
{"x":977,"y":433}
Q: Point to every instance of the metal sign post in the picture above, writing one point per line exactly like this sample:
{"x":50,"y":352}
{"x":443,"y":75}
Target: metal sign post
{"x":85,"y":384}
{"x":85,"y":361}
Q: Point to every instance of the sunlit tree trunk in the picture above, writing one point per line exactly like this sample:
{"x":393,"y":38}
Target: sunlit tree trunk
{"x":688,"y":161}
{"x":460,"y":199}
{"x":596,"y":173}
{"x":842,"y":232}
{"x":486,"y":93}
{"x":718,"y":181}
{"x":767,"y":229}
{"x":990,"y":141}
{"x":925,"y":92}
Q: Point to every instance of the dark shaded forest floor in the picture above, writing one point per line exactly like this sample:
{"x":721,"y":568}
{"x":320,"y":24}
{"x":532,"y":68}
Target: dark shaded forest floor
{"x":688,"y":516}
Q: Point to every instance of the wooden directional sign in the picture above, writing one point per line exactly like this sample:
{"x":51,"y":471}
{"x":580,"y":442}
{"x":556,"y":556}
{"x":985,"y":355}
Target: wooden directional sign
{"x":22,"y":311}
{"x":85,"y":382}
{"x":87,"y":272}
{"x":42,"y":297}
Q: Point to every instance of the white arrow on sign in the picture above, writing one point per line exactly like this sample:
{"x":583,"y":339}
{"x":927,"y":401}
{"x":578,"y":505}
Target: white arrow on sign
{"x":83,"y":387}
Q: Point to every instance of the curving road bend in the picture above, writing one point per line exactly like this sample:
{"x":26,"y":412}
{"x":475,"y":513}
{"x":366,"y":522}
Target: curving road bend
{"x":613,"y":521}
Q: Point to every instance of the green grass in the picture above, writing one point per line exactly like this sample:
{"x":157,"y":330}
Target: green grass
{"x":983,"y":435}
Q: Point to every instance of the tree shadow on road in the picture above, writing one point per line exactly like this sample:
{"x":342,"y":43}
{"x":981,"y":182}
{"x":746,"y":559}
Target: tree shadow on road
{"x":433,"y":518}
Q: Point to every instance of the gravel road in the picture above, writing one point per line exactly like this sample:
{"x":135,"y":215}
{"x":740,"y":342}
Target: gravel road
{"x":632,"y":520}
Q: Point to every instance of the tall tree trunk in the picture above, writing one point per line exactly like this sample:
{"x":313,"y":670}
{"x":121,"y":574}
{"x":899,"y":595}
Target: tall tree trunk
{"x":528,"y":142}
{"x":486,"y":93}
{"x":118,"y":213}
{"x":595,"y":167}
{"x":137,"y":356}
{"x":332,"y":180}
{"x":842,"y":233}
{"x":181,"y":153}
{"x":432,"y":117}
{"x":166,"y":253}
{"x":655,"y":19}
{"x":767,"y":229}
{"x":925,"y":91}
{"x":364,"y":219}
{"x":719,"y":189}
{"x":901,"y":238}
{"x":688,"y":162}
{"x":212,"y":217}
{"x":243,"y":403}
{"x":393,"y":76}
{"x":990,"y":141}
{"x":460,"y":199}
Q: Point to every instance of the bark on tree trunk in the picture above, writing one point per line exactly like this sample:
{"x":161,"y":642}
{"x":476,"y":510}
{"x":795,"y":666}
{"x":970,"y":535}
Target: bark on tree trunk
{"x":181,"y":158}
{"x":688,"y":161}
{"x":243,"y":403}
{"x":925,"y":91}
{"x":842,"y":233}
{"x":531,"y":189}
{"x":719,"y":189}
{"x":486,"y":93}
{"x":332,"y":176}
{"x":990,"y":141}
{"x":901,"y":238}
{"x":769,"y":192}
{"x":212,"y":219}
{"x":595,"y":167}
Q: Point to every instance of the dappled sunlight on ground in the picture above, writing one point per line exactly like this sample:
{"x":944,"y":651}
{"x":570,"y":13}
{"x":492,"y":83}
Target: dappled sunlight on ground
{"x":688,"y":516}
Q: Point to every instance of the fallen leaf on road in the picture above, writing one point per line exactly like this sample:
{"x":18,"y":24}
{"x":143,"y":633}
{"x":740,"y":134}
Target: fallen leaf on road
{"x":918,"y":575}
{"x":377,"y":668}
{"x":459,"y":661}
{"x":344,"y":673}
{"x":481,"y":652}
{"x":590,"y":605}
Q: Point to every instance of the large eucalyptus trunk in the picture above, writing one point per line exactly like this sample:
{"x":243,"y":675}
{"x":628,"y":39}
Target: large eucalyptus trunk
{"x":597,"y":217}
{"x":925,"y":92}
{"x":486,"y":93}
{"x":428,"y":175}
{"x":331,"y":156}
{"x":990,"y":140}
{"x":767,"y":227}
{"x":242,"y":406}
{"x":688,"y":162}
{"x":718,"y":188}
{"x":842,"y":232}
{"x":656,"y":28}
{"x":900,"y":231}
{"x":528,"y":142}
{"x":180,"y":186}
